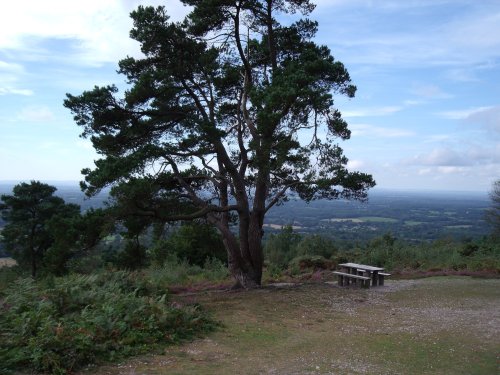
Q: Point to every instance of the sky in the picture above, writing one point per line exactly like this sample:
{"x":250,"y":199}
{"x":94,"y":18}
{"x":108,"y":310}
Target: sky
{"x":426,"y":115}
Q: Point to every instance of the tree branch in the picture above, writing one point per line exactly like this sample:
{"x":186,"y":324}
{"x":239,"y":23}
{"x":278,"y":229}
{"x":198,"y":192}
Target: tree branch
{"x":279,"y":195}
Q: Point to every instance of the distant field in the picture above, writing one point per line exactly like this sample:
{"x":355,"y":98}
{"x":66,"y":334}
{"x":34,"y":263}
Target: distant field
{"x":279,"y":226}
{"x":441,"y":325}
{"x":378,"y":219}
{"x":413,"y":223}
{"x":7,"y":262}
{"x":352,"y":220}
{"x":364,"y":219}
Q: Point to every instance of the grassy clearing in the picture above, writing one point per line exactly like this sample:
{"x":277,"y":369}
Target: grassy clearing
{"x":439,"y":325}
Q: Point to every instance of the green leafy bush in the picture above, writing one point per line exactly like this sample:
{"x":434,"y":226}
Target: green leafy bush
{"x":61,"y":324}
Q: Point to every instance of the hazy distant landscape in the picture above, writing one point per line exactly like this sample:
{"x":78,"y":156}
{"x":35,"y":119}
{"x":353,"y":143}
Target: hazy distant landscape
{"x":413,"y":216}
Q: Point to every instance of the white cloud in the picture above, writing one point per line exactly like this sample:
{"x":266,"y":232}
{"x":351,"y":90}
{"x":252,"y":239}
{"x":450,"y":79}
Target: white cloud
{"x":36,"y":114}
{"x":84,"y":144}
{"x":448,"y":169}
{"x":412,"y":102}
{"x":462,"y":114}
{"x":462,"y":75}
{"x":441,"y":157}
{"x":373,"y":111}
{"x":9,"y":68}
{"x":424,"y":171}
{"x":355,"y":164}
{"x":98,"y":30}
{"x":376,"y":131}
{"x":430,"y":91}
{"x":15,"y":91}
{"x":438,"y":138}
{"x":9,"y":74}
{"x":453,"y":33}
{"x":487,"y":117}
{"x":446,"y":157}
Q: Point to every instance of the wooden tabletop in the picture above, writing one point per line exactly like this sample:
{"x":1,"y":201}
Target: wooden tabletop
{"x":361,"y":266}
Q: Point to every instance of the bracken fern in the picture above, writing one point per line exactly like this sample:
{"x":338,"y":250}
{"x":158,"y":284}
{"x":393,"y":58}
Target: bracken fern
{"x":61,"y":324}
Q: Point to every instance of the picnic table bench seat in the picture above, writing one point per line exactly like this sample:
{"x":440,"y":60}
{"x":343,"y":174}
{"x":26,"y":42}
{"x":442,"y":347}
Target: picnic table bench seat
{"x":381,"y":276}
{"x":344,"y":279}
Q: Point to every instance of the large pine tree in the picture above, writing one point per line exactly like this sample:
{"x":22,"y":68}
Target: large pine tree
{"x":227,"y":112}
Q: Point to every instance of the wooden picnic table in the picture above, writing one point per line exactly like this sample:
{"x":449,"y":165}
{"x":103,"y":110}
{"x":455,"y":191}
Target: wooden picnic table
{"x":362,"y":269}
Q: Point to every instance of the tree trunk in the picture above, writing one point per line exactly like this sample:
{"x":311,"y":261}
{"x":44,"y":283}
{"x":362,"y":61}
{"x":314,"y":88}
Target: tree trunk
{"x":33,"y":251}
{"x":33,"y":263}
{"x":255,"y":248}
{"x":241,"y":263}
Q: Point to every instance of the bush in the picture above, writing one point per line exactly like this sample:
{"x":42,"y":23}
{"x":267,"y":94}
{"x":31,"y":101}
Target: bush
{"x":8,"y":275}
{"x":308,"y":262}
{"x":61,"y":324}
{"x":195,"y":242}
{"x":442,"y":254}
{"x":316,"y":245}
{"x":281,"y":248}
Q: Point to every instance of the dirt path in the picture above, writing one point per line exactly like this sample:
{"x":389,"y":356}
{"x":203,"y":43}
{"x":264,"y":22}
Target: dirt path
{"x":445,"y":325}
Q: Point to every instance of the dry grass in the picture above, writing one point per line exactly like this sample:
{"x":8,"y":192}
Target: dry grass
{"x":445,"y":325}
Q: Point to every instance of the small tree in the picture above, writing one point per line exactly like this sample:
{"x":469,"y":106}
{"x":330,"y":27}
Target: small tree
{"x":281,"y":247}
{"x":493,"y":213}
{"x":30,"y":214}
{"x":196,"y":242}
{"x":227,"y":112}
{"x":316,"y":244}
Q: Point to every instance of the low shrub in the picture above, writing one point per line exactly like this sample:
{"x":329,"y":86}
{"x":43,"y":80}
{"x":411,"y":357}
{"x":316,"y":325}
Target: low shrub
{"x":175,"y":271}
{"x":442,"y":254}
{"x":61,"y":324}
{"x":8,"y":275}
{"x":311,"y":262}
